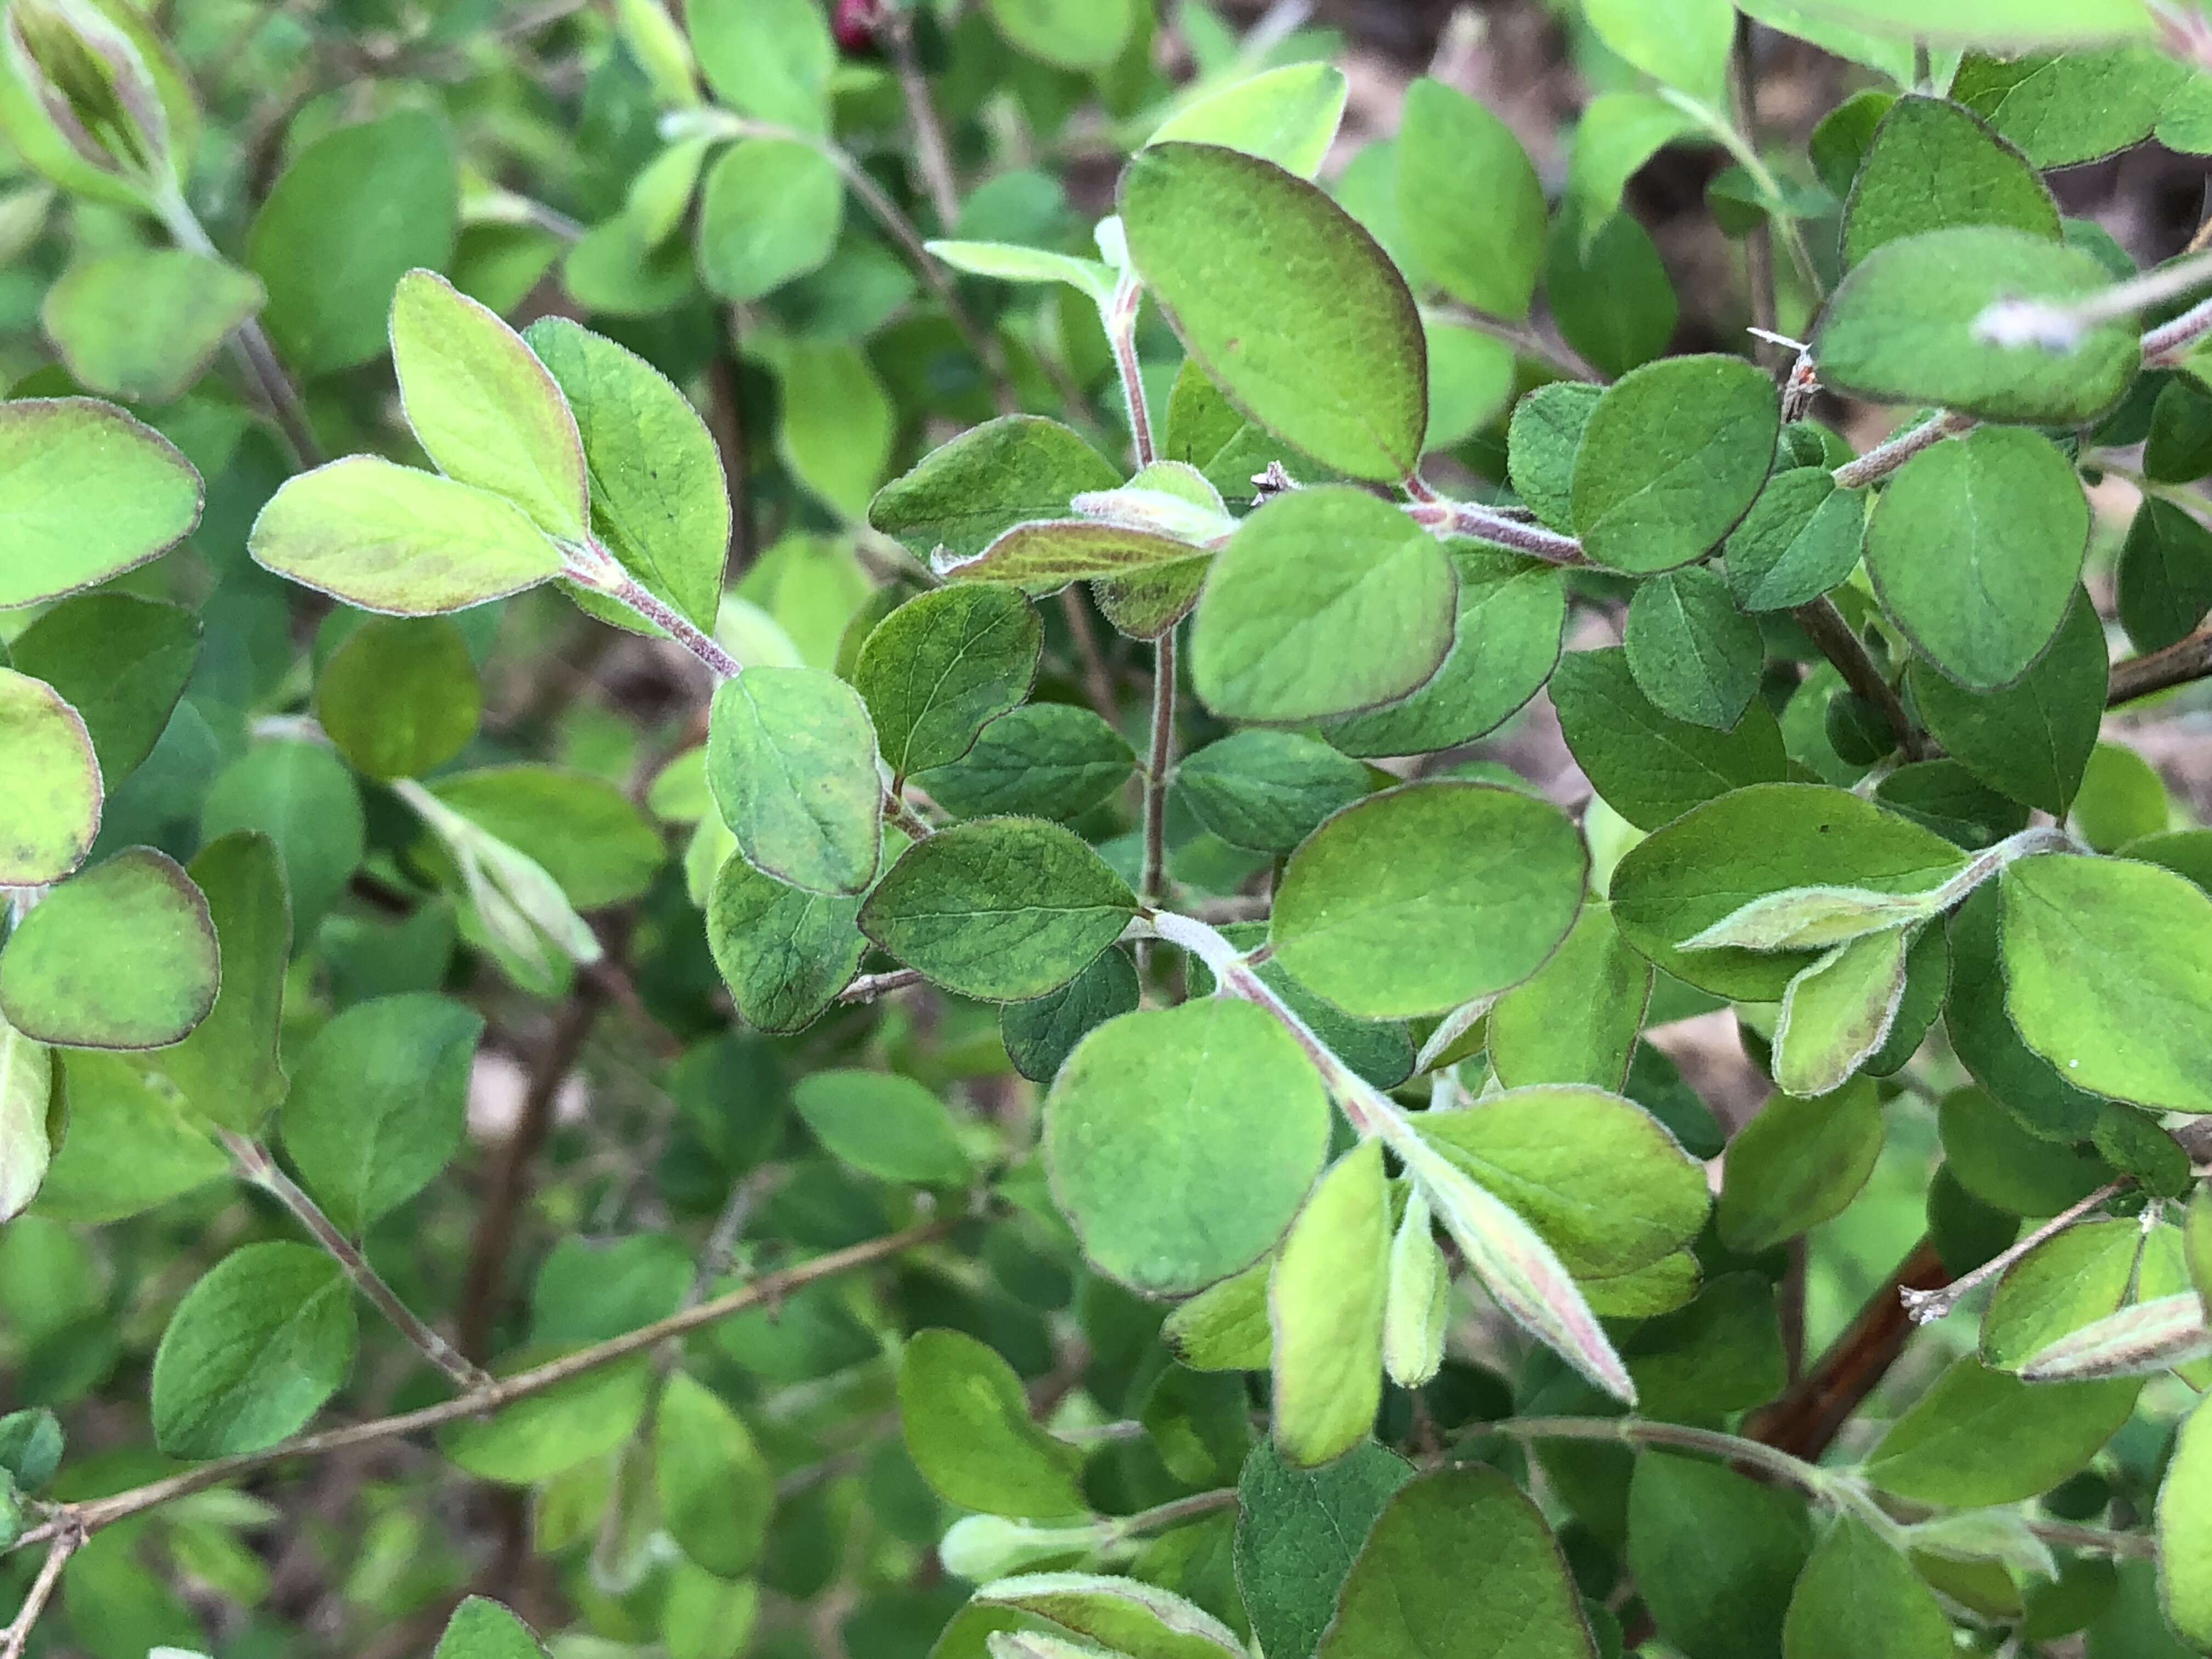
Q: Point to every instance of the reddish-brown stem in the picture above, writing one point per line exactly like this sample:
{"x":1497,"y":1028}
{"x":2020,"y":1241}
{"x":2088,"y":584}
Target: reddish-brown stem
{"x":511,"y":1172}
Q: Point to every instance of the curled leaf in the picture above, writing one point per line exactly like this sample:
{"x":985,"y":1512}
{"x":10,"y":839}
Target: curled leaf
{"x":1520,"y":1271}
{"x":2136,"y":1342}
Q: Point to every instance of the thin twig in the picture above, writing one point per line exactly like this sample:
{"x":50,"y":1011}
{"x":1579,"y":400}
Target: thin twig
{"x":1158,"y":761}
{"x":1122,"y":334}
{"x":1448,"y":517}
{"x":1529,"y":340}
{"x":1840,"y":646}
{"x":2058,"y":325}
{"x":254,"y":1164}
{"x":1926,"y":1306}
{"x":67,"y":1541}
{"x":1097,"y":678}
{"x":1759,"y":241}
{"x":93,"y":1514}
{"x":933,"y":154}
{"x":868,"y":986}
{"x":1884,"y":459}
{"x":2178,"y":663}
{"x":510,"y":1176}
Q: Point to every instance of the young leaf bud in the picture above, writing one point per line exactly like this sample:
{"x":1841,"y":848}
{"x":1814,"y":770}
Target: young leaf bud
{"x":95,"y":86}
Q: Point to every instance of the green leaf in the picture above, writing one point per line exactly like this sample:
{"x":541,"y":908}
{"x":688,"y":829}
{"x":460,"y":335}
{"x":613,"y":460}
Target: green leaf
{"x":2164,"y":575}
{"x":1523,"y":1275}
{"x":400,"y":697}
{"x":2179,"y":448}
{"x":1325,"y":1300}
{"x":1799,"y":1163}
{"x":1046,"y":760}
{"x":1801,"y":538}
{"x":481,"y":1629}
{"x":2074,"y":107}
{"x":1671,"y":458}
{"x":1045,"y":555}
{"x":2032,"y":739}
{"x":1859,"y":1598}
{"x":770,"y":211}
{"x":1720,"y":1353}
{"x":838,"y":424}
{"x":1933,"y":166}
{"x":1381,"y":1051}
{"x":130,"y":1146}
{"x":58,"y":978}
{"x":1505,"y":641}
{"x":784,"y":952}
{"x":1508,"y":1592}
{"x":1007,"y":263}
{"x":768,"y":59}
{"x":1222,"y":238}
{"x":968,"y":1428}
{"x":1716,"y":1555}
{"x":2108,"y":974}
{"x":1138,"y":1619}
{"x":1298,"y":1531}
{"x":253,"y":1352}
{"x":2184,"y":1517}
{"x":87,"y":493}
{"x":228,"y":1067}
{"x":1693,"y":653}
{"x":1975,"y":548}
{"x":1678,"y":43}
{"x":1768,"y":838}
{"x":715,"y":1488}
{"x":1041,"y":1034}
{"x":1225,"y":1326}
{"x":1980,"y":1436}
{"x":944,"y":664}
{"x":2000,"y":1160}
{"x":1416,"y":1302}
{"x":1471,"y":380}
{"x":2122,"y":798}
{"x":144,"y":325}
{"x":885,"y":1126}
{"x":27,"y":1103}
{"x":659,"y":502}
{"x":355,"y":211}
{"x":1618,"y":133}
{"x":1609,"y":292}
{"x":379,"y":1104}
{"x":1004,"y":909}
{"x":389,"y":538}
{"x":1268,"y":791}
{"x":963,"y":495}
{"x":1836,"y":1014}
{"x":1599,"y":1178}
{"x":1288,"y":116}
{"x":52,"y":778}
{"x":1068,"y":34}
{"x":1540,"y":441}
{"x":483,"y":407}
{"x":1649,"y":767}
{"x":1576,"y":1020}
{"x":301,"y":796}
{"x":2067,"y":1282}
{"x":1901,"y":329}
{"x":583,"y":831}
{"x":121,"y":662}
{"x":791,"y":757}
{"x":1182,"y":1140}
{"x":1418,"y":899}
{"x":1473,"y":209}
{"x":1995,"y":22}
{"x":1328,"y":564}
{"x":571,"y":1423}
